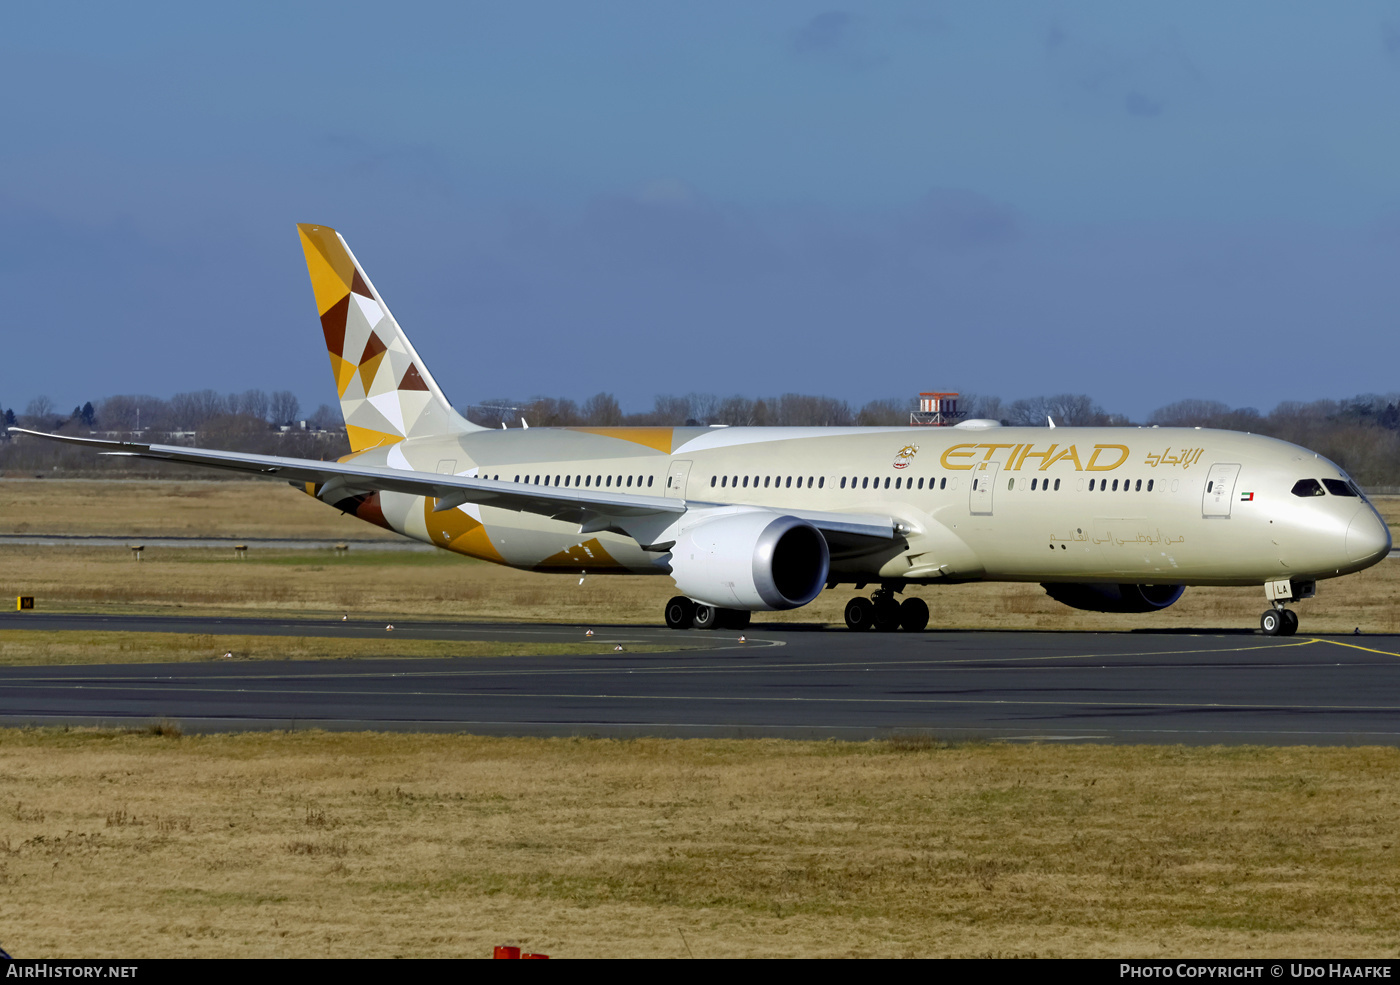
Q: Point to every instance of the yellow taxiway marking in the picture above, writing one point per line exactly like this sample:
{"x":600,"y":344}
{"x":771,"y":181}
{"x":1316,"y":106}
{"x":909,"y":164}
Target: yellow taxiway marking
{"x":1355,"y":647}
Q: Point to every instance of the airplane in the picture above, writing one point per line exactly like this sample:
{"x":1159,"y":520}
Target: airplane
{"x":747,"y":519}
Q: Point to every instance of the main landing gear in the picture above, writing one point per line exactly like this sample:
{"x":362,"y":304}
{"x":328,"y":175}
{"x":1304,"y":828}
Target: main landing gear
{"x":882,"y":612}
{"x":682,"y":613}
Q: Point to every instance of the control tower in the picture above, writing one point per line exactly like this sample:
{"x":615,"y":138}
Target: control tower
{"x":937,"y":410}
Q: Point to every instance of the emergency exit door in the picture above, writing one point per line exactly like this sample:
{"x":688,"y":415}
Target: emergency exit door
{"x":984,"y":482}
{"x":1219,"y":491}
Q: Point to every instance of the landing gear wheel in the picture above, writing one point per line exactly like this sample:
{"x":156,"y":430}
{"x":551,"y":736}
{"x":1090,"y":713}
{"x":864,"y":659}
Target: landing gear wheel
{"x":1271,"y":622}
{"x":913,"y":615}
{"x":706,"y":616}
{"x":680,"y":613}
{"x":734,"y":618}
{"x":860,"y":614}
{"x":1290,"y":623}
{"x":886,"y":615}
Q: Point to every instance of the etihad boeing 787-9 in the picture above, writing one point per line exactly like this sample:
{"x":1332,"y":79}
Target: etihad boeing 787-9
{"x":763,"y":518}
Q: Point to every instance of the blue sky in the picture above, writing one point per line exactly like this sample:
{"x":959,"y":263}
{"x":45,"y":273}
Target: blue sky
{"x":863,"y":200}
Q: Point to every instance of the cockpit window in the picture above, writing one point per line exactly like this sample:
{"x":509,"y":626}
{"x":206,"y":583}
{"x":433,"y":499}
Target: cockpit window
{"x":1338,"y":488}
{"x":1307,"y":487}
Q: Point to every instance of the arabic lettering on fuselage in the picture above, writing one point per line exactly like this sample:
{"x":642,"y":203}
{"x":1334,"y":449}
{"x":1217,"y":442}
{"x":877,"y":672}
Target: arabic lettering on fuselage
{"x":1186,"y":458}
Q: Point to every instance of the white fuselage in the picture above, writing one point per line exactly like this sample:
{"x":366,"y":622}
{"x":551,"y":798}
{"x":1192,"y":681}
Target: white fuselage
{"x":1140,"y":505}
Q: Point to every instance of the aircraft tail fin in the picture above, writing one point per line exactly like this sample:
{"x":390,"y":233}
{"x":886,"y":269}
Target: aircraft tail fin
{"x":386,"y":393}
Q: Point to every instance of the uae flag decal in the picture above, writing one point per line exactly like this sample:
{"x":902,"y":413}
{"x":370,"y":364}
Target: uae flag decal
{"x":1246,"y":497}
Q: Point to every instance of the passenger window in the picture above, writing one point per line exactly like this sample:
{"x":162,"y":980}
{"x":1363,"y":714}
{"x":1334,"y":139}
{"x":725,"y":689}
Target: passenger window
{"x":649,"y":478}
{"x":943,"y":483}
{"x":1211,"y":485}
{"x":517,"y":478}
{"x":713,"y":479}
{"x":821,"y":483}
{"x":629,"y":482}
{"x":865,"y":482}
{"x":788,"y":484}
{"x":1149,"y":485}
{"x":609,"y":481}
{"x":1115,"y":485}
{"x":767,"y":479}
{"x":746,"y":482}
{"x":1138,"y":487}
{"x":843,"y":482}
{"x":1057,"y":485}
{"x":887,"y":482}
{"x":1091,"y":485}
{"x":1010,"y":484}
{"x":921,"y":482}
{"x":1337,"y":487}
{"x":1033,"y":482}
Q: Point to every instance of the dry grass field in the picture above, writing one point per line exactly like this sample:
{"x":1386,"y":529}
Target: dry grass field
{"x":440,"y":585}
{"x":147,"y":843}
{"x":140,"y":508}
{"x":313,"y":844}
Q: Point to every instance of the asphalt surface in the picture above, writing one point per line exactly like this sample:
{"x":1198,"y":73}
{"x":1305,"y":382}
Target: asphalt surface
{"x":1160,"y":687}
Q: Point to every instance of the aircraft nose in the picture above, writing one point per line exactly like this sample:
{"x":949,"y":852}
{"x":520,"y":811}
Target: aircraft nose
{"x":1368,"y":538}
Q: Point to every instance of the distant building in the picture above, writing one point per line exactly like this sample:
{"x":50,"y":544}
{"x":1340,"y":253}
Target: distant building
{"x":937,"y":410}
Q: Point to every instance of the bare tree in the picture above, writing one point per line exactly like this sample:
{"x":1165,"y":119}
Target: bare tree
{"x":249,"y":403}
{"x":734,"y":411}
{"x":190,"y":410}
{"x":673,"y":411}
{"x":601,"y":410}
{"x":704,"y":408}
{"x":283,"y":407}
{"x":326,"y":418}
{"x":890,"y":411}
{"x":551,"y":412}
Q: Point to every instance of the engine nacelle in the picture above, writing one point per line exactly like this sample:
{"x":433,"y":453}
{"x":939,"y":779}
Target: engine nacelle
{"x":751,"y":560}
{"x":1115,"y":598}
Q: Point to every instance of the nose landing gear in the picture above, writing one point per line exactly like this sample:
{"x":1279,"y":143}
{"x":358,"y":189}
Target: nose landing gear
{"x":1279,"y":620}
{"x":882,"y":612}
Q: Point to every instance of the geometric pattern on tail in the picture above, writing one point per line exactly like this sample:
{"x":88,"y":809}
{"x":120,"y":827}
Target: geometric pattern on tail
{"x":386,"y":393}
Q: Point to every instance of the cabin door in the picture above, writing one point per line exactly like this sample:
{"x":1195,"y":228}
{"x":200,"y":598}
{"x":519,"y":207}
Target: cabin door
{"x":984,"y":481}
{"x":1219,"y":491}
{"x":676,"y":479}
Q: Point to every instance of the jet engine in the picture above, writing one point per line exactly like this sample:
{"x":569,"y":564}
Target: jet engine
{"x":751,"y":560}
{"x":1115,"y":598}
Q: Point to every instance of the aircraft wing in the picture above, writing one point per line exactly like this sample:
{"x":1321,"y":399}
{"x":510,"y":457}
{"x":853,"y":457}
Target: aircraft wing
{"x":342,"y":479}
